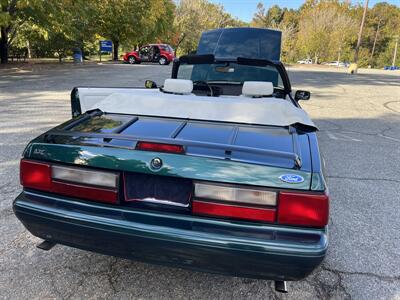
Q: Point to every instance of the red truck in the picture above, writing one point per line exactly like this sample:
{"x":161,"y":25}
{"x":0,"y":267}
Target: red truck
{"x":161,"y":53}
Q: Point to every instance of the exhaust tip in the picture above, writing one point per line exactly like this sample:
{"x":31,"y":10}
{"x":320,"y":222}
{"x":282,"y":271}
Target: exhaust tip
{"x":46,"y":245}
{"x":281,"y":286}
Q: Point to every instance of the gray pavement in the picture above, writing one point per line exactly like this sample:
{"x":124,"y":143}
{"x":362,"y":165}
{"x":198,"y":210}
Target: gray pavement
{"x":359,"y":121}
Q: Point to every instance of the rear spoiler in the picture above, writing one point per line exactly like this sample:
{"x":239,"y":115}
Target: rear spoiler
{"x":104,"y":138}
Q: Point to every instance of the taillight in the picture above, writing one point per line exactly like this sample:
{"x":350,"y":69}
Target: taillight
{"x":35,"y":175}
{"x":86,"y":177}
{"x":286,"y":208}
{"x":303,"y":209}
{"x":159,"y":147}
{"x":233,"y":211}
{"x":70,"y":181}
{"x":234,"y":202}
{"x":234,"y":194}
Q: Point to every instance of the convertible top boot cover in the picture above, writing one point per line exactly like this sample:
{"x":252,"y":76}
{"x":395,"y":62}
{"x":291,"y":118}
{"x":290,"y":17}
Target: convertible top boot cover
{"x":151,"y":102}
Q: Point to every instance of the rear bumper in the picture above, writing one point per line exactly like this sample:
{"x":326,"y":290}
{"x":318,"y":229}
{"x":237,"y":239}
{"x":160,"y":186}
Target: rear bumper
{"x":214,"y":246}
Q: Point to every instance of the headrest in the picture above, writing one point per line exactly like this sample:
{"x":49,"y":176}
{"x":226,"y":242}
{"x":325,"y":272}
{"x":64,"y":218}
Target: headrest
{"x":178,"y":86}
{"x":257,"y":88}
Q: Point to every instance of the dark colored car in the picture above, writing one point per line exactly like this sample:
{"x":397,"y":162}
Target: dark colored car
{"x":157,"y":53}
{"x":195,"y":174}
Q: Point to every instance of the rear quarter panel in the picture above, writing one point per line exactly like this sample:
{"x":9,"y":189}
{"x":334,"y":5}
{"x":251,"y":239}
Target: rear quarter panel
{"x":318,"y":181}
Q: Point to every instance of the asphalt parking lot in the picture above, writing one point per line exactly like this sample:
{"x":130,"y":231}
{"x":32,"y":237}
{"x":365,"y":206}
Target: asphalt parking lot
{"x":359,"y":121}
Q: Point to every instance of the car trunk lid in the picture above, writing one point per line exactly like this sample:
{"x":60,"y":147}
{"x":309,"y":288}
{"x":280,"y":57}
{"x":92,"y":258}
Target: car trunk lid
{"x":282,"y":147}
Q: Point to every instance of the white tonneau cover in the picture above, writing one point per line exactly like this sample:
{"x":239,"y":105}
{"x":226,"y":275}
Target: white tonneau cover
{"x":152,"y":102}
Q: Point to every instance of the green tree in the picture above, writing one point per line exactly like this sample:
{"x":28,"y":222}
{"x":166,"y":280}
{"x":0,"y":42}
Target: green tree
{"x":56,"y":24}
{"x":159,"y":26}
{"x":75,"y":21}
{"x":343,"y":33}
{"x":326,"y":28}
{"x":267,"y":19}
{"x":13,"y":14}
{"x":283,"y":20}
{"x":133,"y":21}
{"x":382,"y":25}
{"x":192,"y":17}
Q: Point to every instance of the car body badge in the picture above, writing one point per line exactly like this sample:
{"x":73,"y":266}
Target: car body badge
{"x":291,"y":178}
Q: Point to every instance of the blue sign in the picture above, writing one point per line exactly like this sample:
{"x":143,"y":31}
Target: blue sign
{"x":106,"y":46}
{"x":291,"y":178}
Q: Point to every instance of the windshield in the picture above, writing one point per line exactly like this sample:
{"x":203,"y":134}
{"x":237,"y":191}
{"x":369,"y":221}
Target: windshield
{"x":230,"y":72}
{"x":167,"y":48}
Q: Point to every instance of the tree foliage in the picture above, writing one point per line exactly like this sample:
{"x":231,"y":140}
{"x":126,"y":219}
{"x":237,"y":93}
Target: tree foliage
{"x":326,"y":30}
{"x":13,"y":14}
{"x":134,"y":21}
{"x":192,"y":17}
{"x":59,"y":26}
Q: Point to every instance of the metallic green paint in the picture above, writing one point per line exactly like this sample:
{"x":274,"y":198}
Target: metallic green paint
{"x":211,"y":245}
{"x":187,"y":166}
{"x":318,"y":182}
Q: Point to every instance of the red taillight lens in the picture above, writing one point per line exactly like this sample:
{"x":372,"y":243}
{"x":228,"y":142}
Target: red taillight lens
{"x":85,"y":192}
{"x":35,"y":175}
{"x":158,"y":147}
{"x":74,"y":182}
{"x":231,"y":201}
{"x":303,"y":209}
{"x":257,"y":204}
{"x":233,"y":211}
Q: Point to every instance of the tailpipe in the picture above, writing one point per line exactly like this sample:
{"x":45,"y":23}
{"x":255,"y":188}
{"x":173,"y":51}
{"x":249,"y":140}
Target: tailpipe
{"x":46,"y":245}
{"x":281,"y":286}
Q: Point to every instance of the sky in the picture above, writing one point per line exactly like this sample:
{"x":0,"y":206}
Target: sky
{"x":245,"y":9}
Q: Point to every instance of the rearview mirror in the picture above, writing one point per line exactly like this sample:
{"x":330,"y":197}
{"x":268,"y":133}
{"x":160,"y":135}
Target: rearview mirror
{"x":302,"y":95}
{"x":223,"y":69}
{"x":150,"y":84}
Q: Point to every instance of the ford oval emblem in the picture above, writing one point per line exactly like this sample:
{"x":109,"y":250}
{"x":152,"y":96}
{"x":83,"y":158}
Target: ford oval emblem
{"x":291,"y":178}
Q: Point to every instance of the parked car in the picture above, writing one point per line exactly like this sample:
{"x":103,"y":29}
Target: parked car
{"x":306,"y":61}
{"x":218,"y":170}
{"x":161,"y":53}
{"x":337,"y":64}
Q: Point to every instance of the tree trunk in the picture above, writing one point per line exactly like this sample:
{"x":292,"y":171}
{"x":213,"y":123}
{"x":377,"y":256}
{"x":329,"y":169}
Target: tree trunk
{"x":179,"y":43}
{"x":82,"y":47}
{"x":28,"y":49}
{"x":116,"y":46}
{"x":375,"y":39}
{"x":395,"y":52}
{"x":4,"y":45}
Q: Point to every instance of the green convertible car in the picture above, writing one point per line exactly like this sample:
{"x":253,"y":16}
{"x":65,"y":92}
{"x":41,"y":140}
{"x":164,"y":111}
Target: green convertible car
{"x":217,"y":170}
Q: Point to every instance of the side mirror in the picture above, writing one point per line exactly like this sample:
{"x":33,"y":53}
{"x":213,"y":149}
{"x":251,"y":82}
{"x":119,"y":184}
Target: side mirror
{"x":302,"y":95}
{"x":150,"y":84}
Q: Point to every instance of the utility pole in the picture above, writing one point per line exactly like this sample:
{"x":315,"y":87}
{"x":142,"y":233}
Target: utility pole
{"x":395,"y":50}
{"x":360,"y":32}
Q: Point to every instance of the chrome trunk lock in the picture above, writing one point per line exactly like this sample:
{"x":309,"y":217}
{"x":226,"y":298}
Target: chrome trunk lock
{"x":156,"y":163}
